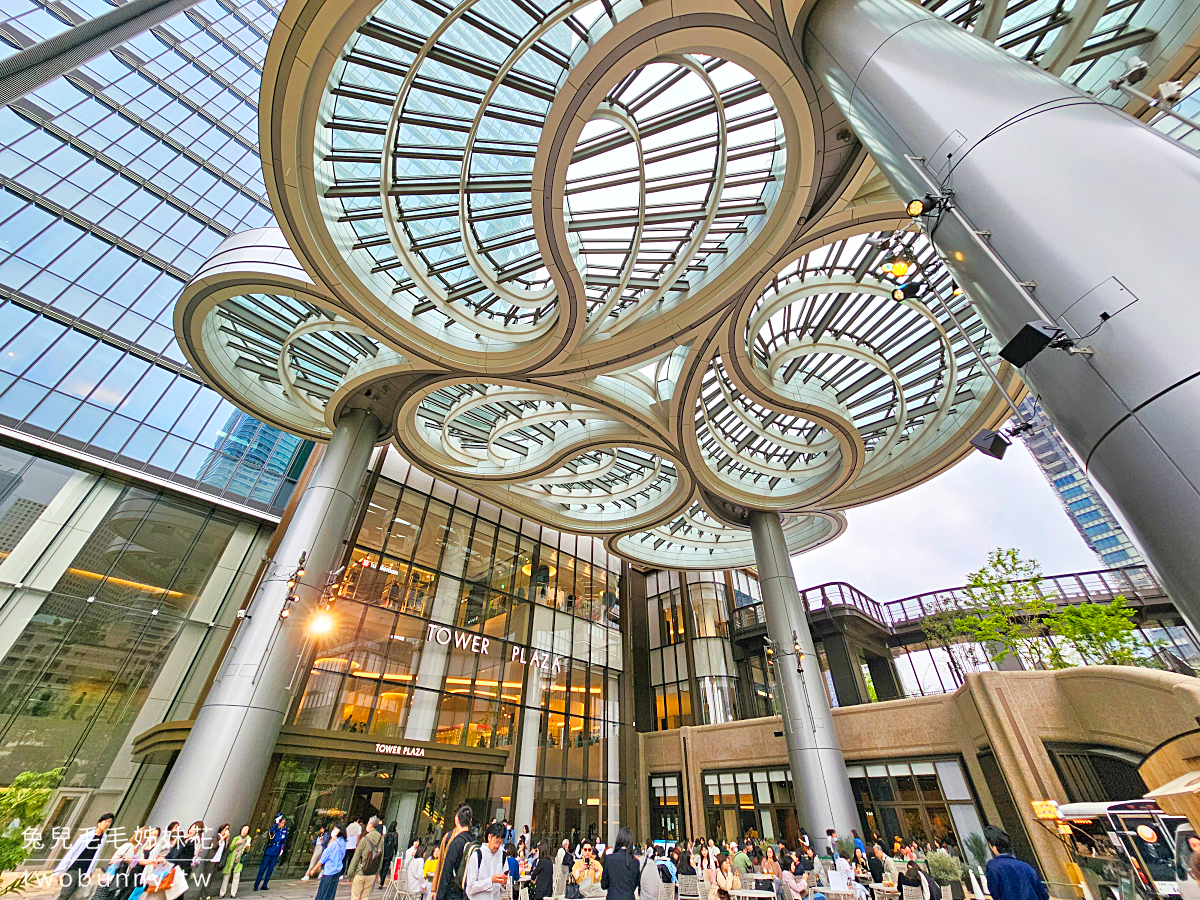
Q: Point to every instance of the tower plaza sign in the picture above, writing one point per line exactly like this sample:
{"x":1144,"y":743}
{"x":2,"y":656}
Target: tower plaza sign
{"x":548,"y":662}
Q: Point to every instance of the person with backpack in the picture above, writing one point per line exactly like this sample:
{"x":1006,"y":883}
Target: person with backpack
{"x":487,"y":868}
{"x":447,"y":881}
{"x":391,"y":845}
{"x":366,"y":862}
{"x":667,"y":872}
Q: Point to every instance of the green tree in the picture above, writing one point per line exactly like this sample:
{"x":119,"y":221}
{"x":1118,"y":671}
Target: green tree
{"x":950,"y":626}
{"x":22,"y":806}
{"x":1007,"y":609}
{"x":1099,"y":634}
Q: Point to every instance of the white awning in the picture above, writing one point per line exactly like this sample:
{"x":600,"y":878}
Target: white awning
{"x":1184,"y":784}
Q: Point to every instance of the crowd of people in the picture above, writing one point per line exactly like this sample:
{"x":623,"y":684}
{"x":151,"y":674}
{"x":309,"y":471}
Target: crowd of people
{"x":486,"y":865}
{"x":159,"y":864}
{"x":491,"y":867}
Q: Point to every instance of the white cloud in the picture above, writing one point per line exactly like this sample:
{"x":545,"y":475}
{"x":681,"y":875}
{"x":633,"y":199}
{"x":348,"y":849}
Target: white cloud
{"x":930,"y":537}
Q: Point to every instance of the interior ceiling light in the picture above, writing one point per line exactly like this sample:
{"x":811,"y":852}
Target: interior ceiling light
{"x":906,"y":291}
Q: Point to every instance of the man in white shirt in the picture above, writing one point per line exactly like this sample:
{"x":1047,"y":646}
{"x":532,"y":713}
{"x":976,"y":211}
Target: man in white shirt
{"x":75,"y":868}
{"x":487,"y":869}
{"x":353,"y":831}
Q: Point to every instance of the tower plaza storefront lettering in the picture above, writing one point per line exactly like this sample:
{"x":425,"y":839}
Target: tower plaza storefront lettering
{"x":477,"y":643}
{"x":399,"y":750}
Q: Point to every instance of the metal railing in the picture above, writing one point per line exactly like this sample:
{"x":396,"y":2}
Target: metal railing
{"x":1137,"y":584}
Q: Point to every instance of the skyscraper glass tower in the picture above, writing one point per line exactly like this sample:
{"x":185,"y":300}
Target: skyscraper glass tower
{"x":118,"y":179}
{"x":1089,"y":513}
{"x":136,"y":504}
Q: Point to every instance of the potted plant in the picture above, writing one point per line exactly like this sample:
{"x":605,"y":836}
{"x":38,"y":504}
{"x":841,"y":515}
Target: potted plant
{"x":977,"y":849}
{"x":945,"y":869}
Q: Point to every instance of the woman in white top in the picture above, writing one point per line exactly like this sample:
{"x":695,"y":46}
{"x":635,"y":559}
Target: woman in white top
{"x":414,"y":874}
{"x":708,"y":863}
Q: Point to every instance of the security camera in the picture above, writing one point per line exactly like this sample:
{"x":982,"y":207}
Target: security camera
{"x":1136,"y":69}
{"x":1170,"y":92}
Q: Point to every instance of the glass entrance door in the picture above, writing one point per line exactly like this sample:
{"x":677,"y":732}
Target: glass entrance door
{"x":368,"y":801}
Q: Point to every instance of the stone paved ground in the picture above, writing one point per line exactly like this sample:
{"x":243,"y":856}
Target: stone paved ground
{"x":281,"y":889}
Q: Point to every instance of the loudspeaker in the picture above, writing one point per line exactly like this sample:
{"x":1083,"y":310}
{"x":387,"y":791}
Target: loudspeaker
{"x":1031,"y":340}
{"x":991,"y":443}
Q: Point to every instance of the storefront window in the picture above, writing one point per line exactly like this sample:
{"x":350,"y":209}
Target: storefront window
{"x":666,"y":813}
{"x":927,"y":800}
{"x":750,"y":804}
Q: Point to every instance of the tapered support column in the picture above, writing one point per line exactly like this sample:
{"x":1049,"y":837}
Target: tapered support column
{"x":221,"y":766}
{"x":1065,"y":209}
{"x":823,"y":798}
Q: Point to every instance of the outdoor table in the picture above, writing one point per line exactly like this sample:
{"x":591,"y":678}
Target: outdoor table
{"x":751,"y":892}
{"x":881,"y":891}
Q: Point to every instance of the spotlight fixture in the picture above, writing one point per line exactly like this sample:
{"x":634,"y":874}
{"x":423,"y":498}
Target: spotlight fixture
{"x":906,"y":291}
{"x":956,"y":291}
{"x":991,"y":443}
{"x":1032,"y":339}
{"x":322,"y":623}
{"x":923,"y":206}
{"x":900,"y":264}
{"x":285,"y":612}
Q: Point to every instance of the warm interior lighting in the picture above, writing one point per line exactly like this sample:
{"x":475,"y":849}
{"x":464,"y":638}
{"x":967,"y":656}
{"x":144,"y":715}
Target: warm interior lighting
{"x":123,"y":582}
{"x":527,"y":569}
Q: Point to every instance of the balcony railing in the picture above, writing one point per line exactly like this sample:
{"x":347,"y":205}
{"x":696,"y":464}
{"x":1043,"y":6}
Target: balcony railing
{"x":1136,"y":583}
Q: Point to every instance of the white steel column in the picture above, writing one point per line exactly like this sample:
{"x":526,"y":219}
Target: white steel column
{"x":1064,"y":209}
{"x":823,"y":798}
{"x":220,"y":769}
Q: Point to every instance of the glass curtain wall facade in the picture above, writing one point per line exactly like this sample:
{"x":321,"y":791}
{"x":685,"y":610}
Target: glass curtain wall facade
{"x":692,"y":666}
{"x":117,"y":181}
{"x":463,"y":625}
{"x":1081,"y":501}
{"x":115,"y":602}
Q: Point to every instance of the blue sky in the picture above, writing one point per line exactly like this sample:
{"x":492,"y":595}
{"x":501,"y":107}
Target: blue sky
{"x":931,"y":536}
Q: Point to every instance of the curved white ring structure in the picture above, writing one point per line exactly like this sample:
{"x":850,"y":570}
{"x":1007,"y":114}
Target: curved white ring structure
{"x":572,"y":271}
